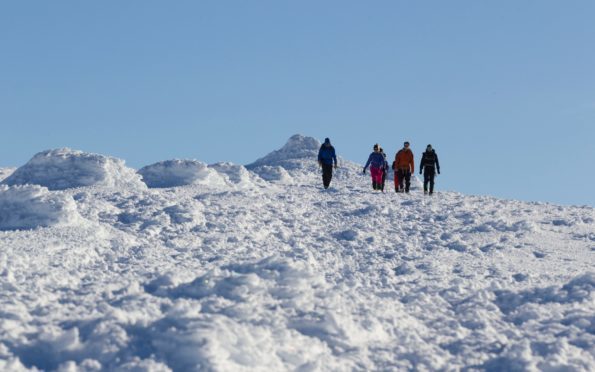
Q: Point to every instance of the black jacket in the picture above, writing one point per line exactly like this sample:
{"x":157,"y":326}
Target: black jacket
{"x":429,"y":159}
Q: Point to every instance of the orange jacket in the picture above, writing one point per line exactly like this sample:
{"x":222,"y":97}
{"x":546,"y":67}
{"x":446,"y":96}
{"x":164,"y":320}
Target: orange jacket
{"x":404,"y":160}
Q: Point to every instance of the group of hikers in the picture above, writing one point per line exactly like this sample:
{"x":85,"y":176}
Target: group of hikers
{"x":403,"y":167}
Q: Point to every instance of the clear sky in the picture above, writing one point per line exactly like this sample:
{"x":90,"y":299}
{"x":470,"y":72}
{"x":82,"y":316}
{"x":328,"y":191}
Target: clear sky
{"x":504,"y":90}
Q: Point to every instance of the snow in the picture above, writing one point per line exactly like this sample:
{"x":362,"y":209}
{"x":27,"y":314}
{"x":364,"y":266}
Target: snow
{"x":248,"y":274}
{"x":172,"y":173}
{"x":31,"y":206}
{"x":5,"y":172}
{"x":64,"y":168}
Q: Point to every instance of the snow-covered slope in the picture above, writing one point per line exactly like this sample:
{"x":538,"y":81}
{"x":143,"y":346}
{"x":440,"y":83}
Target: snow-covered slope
{"x":5,"y":172}
{"x":297,"y":277}
{"x":65,"y":168}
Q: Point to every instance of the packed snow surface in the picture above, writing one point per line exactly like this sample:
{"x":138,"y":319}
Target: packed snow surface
{"x":289,"y":276}
{"x":65,"y":168}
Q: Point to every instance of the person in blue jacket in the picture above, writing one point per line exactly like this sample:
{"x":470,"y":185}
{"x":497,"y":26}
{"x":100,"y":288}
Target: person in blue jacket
{"x":376,"y":162}
{"x":326,"y":158}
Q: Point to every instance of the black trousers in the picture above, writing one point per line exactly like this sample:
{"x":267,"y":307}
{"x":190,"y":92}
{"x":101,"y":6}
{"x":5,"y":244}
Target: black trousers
{"x":327,"y":174}
{"x":429,"y":174}
{"x":404,"y":177}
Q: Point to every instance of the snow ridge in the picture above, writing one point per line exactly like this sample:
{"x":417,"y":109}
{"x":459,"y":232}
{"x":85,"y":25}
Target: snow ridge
{"x":64,"y":168}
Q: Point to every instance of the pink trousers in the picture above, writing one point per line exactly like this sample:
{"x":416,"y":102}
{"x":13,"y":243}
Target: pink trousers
{"x":376,"y":174}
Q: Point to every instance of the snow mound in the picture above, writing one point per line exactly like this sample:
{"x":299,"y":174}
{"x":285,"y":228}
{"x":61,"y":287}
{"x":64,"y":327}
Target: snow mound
{"x":173,"y":173}
{"x":31,"y":206}
{"x":297,"y":148}
{"x":237,"y":175}
{"x":273,"y":174}
{"x":5,"y":172}
{"x":298,"y":158}
{"x":64,"y":168}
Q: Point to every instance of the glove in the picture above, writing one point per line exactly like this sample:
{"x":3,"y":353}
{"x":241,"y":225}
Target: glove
{"x":364,"y":170}
{"x":438,"y":171}
{"x":420,"y":171}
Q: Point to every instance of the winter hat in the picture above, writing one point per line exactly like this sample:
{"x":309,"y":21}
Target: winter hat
{"x":327,"y":141}
{"x":406,"y":143}
{"x":376,"y":146}
{"x":429,"y":147}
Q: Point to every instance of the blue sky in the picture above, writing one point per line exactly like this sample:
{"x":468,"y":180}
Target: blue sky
{"x":504,"y":90}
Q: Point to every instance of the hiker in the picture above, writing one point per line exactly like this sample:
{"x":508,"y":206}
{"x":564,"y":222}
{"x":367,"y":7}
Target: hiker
{"x":404,"y":167}
{"x":376,"y":163}
{"x":429,"y":164}
{"x":326,"y":158}
{"x":384,"y":169}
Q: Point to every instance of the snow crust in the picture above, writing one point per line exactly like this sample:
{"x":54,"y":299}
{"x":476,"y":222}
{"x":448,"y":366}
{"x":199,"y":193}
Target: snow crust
{"x":289,"y":276}
{"x":31,"y":206}
{"x":64,"y":168}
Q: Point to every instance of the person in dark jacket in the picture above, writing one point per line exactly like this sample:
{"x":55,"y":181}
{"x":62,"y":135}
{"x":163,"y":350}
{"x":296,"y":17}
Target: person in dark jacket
{"x":376,"y":163}
{"x":326,"y":159}
{"x":429,"y":164}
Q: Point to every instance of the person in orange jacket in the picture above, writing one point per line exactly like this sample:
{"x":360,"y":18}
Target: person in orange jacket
{"x":403,"y":167}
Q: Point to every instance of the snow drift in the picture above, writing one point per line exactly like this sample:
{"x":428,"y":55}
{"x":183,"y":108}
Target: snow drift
{"x":172,"y":173}
{"x":31,"y":206}
{"x":64,"y":168}
{"x":237,"y":175}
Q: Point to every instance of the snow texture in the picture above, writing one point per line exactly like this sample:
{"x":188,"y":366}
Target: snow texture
{"x":172,"y":173}
{"x":5,"y":172}
{"x":31,"y":206}
{"x":64,"y":168}
{"x":289,"y":276}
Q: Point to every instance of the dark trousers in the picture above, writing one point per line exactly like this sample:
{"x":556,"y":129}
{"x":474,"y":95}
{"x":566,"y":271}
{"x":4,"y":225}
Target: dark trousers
{"x":404,"y":177}
{"x":429,"y":173}
{"x":327,"y":174}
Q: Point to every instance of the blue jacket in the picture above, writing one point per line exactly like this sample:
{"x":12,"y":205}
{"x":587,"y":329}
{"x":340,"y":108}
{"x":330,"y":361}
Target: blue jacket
{"x":376,"y":160}
{"x":326,"y":155}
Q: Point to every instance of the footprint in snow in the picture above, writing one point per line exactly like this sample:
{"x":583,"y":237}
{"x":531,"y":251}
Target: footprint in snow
{"x":539,"y":254}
